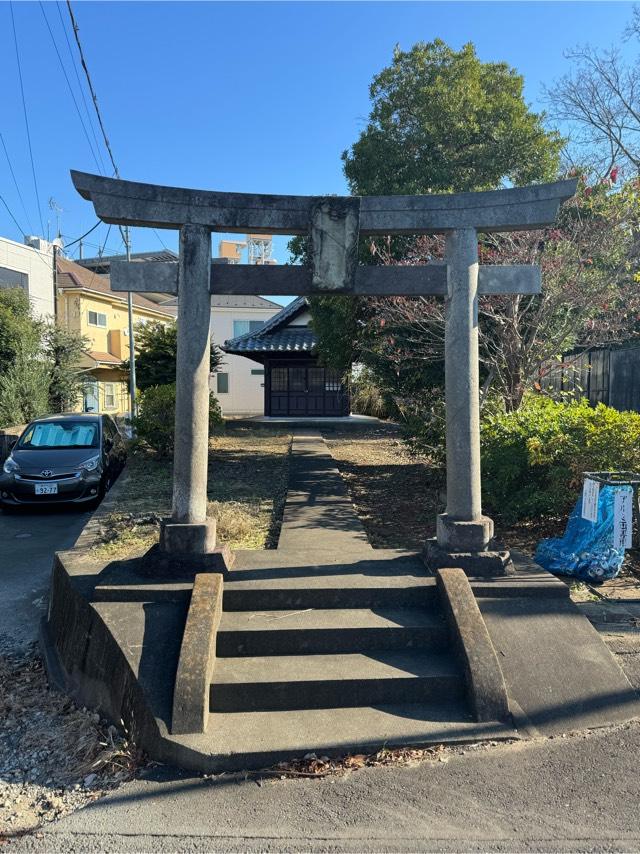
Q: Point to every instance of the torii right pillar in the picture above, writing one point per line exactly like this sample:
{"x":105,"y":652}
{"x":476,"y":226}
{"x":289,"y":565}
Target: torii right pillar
{"x":464,"y":534}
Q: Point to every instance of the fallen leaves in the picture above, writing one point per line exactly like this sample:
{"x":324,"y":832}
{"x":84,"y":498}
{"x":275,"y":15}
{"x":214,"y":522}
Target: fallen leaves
{"x":311,"y":765}
{"x":54,"y":756}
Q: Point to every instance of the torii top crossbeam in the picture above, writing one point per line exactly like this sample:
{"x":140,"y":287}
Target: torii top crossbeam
{"x":132,"y":203}
{"x":334,"y":224}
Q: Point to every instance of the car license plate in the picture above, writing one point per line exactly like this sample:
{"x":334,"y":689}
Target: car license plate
{"x":46,"y":488}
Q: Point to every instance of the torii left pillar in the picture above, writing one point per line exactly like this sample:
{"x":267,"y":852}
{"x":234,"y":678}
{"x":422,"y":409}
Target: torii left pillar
{"x":189,"y":532}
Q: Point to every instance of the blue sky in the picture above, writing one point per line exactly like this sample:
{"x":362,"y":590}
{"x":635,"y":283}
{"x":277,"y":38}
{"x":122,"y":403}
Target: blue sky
{"x":256,"y":97}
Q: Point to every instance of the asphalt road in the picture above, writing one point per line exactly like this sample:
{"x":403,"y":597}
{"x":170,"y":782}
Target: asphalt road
{"x":578,"y":793}
{"x":28,"y":541}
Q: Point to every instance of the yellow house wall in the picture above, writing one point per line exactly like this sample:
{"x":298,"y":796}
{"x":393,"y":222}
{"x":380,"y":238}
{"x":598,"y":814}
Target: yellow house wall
{"x":73,"y":313}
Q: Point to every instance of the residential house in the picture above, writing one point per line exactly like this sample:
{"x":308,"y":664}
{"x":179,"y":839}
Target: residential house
{"x":295,"y":384}
{"x":239,"y":382}
{"x":86,"y":304}
{"x":29,"y":266}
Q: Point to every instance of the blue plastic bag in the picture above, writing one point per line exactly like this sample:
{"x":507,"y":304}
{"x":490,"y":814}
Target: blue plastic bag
{"x":586,"y":550}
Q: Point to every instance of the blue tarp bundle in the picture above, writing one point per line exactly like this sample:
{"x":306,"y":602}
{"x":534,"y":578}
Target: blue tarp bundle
{"x":586,"y":550}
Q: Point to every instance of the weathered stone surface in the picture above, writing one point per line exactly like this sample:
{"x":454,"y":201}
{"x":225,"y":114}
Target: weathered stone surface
{"x":184,"y":538}
{"x":456,"y":535}
{"x":476,"y":564}
{"x":160,"y":564}
{"x":333,"y":237}
{"x":197,"y":656}
{"x":485,"y":683}
{"x":191,"y":450}
{"x":134,"y":203}
{"x":162,"y":276}
{"x":461,"y":378}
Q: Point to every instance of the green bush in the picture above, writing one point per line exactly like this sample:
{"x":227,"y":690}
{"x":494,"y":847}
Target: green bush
{"x":533,"y":459}
{"x":155,"y":422}
{"x":367,"y":398}
{"x":24,"y":389}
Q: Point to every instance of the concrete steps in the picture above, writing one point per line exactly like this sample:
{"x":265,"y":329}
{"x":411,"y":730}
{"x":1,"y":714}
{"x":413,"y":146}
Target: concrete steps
{"x":336,"y":630}
{"x":287,"y":682}
{"x":262,"y":739}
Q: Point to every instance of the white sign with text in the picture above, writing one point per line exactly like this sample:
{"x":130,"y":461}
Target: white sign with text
{"x":622,"y":518}
{"x":590,"y":495}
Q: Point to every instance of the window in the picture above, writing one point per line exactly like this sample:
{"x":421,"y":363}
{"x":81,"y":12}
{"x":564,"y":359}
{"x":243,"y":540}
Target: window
{"x":278,"y":379}
{"x":332,"y":380}
{"x":96,"y":318}
{"x":44,"y":435}
{"x":222,"y":383}
{"x":241,"y":327}
{"x":109,"y":396}
{"x":13,"y":279}
{"x":257,"y":372}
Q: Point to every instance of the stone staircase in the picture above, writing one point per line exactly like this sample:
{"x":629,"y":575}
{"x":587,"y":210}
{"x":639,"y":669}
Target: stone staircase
{"x":326,"y":644}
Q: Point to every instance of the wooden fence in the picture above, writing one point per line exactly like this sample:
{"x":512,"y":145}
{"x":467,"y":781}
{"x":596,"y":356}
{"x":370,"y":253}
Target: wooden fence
{"x":603,"y":375}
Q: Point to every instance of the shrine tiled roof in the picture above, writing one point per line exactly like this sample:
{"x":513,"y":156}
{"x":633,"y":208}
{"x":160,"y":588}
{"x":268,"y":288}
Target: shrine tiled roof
{"x":276,"y":336}
{"x":286,"y":341}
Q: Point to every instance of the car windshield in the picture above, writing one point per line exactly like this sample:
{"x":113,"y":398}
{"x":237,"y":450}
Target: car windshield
{"x":59,"y":434}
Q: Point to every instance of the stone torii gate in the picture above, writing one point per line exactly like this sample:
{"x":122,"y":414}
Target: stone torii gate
{"x":333,"y":225}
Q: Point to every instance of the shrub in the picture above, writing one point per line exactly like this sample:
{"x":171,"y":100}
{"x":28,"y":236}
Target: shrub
{"x":533,"y":459}
{"x":423,"y":424}
{"x":366,"y":396}
{"x":155,"y":422}
{"x":24,"y":389}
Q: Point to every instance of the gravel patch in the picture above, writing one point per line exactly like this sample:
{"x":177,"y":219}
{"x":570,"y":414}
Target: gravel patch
{"x":55,"y":757}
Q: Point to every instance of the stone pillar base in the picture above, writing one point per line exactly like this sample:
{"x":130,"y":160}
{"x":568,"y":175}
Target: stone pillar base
{"x":185,"y":550}
{"x":185,"y":538}
{"x":169,"y":566}
{"x":473,"y":563}
{"x":460,"y":536}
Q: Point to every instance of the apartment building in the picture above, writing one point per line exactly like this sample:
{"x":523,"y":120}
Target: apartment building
{"x":29,"y":266}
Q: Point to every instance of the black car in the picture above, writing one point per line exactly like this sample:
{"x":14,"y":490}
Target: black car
{"x":63,"y":458}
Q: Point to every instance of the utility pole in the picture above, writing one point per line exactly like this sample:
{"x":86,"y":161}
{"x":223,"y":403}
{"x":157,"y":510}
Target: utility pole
{"x":132,"y":348}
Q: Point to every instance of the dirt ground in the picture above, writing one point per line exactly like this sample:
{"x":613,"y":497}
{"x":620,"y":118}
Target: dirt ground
{"x":398,"y":496}
{"x":247,"y":487}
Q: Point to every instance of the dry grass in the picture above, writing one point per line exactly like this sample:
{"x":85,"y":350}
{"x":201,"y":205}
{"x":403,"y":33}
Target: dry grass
{"x":396,"y":495}
{"x":248,"y":474}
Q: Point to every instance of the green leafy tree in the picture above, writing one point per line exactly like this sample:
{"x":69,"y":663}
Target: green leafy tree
{"x":19,"y":331}
{"x":440,"y":121}
{"x":62,"y":349}
{"x":155,"y":422}
{"x":24,"y":388}
{"x":156,"y":352}
{"x":443,"y":121}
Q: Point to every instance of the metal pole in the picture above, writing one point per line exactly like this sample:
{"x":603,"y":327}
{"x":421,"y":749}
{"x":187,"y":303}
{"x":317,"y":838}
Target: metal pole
{"x":132,"y":348}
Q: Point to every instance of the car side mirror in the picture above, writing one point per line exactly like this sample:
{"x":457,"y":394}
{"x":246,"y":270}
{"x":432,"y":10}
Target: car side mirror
{"x":11,"y":443}
{"x":108,"y":444}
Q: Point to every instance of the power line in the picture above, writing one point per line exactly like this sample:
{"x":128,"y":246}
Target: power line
{"x":26,"y":120}
{"x":97,"y":109}
{"x":66,"y":77}
{"x":91,"y":89}
{"x":12,"y":216}
{"x":80,"y":86}
{"x":82,"y":236}
{"x":17,"y":186}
